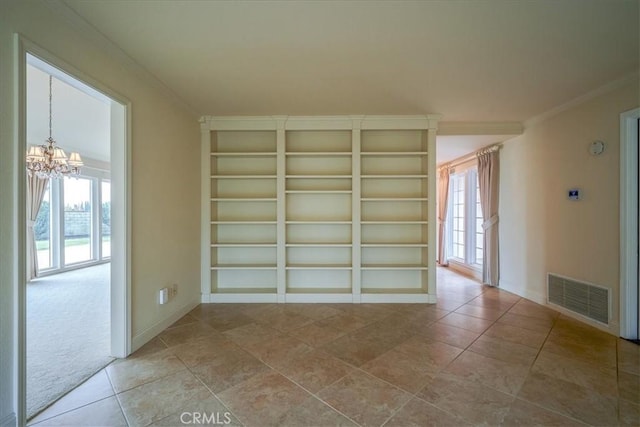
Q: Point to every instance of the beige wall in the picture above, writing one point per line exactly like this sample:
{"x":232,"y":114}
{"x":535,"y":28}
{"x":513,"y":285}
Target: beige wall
{"x":541,"y":230}
{"x":165,"y":181}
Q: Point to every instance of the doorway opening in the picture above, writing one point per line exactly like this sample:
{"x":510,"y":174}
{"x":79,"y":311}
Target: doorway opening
{"x":76,"y":315}
{"x":629,"y":232}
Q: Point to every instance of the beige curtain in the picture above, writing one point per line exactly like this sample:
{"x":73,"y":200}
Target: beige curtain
{"x":443,"y":195}
{"x":36,"y":187}
{"x":488,"y":179}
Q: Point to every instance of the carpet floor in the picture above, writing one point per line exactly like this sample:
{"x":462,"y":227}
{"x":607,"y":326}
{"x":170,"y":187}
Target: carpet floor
{"x":68,"y":332}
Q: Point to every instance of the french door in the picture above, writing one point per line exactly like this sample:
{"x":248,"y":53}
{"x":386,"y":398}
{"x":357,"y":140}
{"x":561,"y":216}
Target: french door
{"x":73,"y":227}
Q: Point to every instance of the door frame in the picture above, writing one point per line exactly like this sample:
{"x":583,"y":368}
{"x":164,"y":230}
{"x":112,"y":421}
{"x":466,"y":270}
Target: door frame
{"x":629,"y":224}
{"x":120,"y":153}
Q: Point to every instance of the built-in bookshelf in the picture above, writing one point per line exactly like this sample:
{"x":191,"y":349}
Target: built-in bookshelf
{"x":243,"y":213}
{"x":318,"y":209}
{"x":394,"y":211}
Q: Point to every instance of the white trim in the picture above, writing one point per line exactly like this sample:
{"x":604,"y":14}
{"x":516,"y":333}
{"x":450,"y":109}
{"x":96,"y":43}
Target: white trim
{"x":465,"y":269}
{"x":20,"y":129}
{"x":205,"y":208}
{"x":611,"y":86}
{"x":398,"y":298}
{"x":480,"y":128}
{"x":629,"y":224}
{"x":319,"y":298}
{"x":121,"y":212}
{"x":148,"y":334}
{"x":239,"y":298}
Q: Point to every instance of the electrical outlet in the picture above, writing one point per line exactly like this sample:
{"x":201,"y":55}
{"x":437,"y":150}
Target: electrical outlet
{"x":174,"y":290}
{"x":163,"y":296}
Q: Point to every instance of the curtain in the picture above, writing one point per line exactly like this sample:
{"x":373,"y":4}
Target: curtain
{"x":488,"y":178}
{"x":36,"y":187}
{"x":443,"y":195}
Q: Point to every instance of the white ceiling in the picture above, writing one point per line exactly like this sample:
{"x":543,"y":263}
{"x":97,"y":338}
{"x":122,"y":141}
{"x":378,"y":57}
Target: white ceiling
{"x":475,"y":61}
{"x":80,"y":121}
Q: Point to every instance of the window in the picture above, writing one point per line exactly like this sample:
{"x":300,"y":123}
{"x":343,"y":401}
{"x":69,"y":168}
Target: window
{"x":73,"y":226}
{"x":464,"y":225}
{"x":458,"y":199}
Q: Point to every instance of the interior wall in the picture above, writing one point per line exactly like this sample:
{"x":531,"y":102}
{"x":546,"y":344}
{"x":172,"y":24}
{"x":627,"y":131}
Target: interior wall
{"x":540,"y":229}
{"x":165,"y":181}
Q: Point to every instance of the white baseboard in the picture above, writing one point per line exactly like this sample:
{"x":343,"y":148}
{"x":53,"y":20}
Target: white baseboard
{"x":9,"y":420}
{"x":465,"y":270}
{"x":523,"y":292}
{"x":148,"y":334}
{"x":613,"y":328}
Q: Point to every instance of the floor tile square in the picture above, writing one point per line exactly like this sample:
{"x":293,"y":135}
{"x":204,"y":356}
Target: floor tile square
{"x":475,"y":403}
{"x":418,"y":413}
{"x":263,"y":399}
{"x":365,"y":399}
{"x":570,"y":399}
{"x":503,"y":376}
{"x":154,"y":401}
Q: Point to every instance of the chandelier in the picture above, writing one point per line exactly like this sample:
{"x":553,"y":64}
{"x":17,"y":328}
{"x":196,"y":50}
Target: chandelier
{"x":49,"y":160}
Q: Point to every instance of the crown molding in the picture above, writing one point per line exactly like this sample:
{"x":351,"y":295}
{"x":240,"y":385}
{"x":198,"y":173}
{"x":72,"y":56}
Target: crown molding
{"x":606,"y":88}
{"x":94,"y":36}
{"x":319,"y":122}
{"x":480,"y":128}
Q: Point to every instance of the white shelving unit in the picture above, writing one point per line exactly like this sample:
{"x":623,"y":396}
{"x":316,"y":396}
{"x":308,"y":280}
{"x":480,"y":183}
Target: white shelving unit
{"x":318,"y":209}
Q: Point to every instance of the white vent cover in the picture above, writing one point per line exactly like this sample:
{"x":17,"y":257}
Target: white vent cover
{"x":583,"y":298}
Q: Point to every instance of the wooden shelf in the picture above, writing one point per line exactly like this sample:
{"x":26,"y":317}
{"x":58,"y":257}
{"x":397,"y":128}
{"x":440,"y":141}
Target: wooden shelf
{"x":318,"y":245}
{"x":326,"y":290}
{"x":394,"y":199}
{"x":394,"y":245}
{"x":244,"y":245}
{"x":394,"y":222}
{"x":318,"y":267}
{"x":394,"y":176}
{"x":244,"y":267}
{"x":316,"y":176}
{"x":328,"y":222}
{"x":244,"y":199}
{"x":319,"y":191}
{"x":394,"y":153}
{"x":244,"y":154}
{"x":392,"y":291}
{"x":394,"y":267}
{"x":246,"y":222}
{"x":242,"y":290}
{"x":318,"y":153}
{"x":243,"y":176}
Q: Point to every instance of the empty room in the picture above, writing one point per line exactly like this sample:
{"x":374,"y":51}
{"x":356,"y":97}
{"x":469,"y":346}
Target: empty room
{"x":323,"y":213}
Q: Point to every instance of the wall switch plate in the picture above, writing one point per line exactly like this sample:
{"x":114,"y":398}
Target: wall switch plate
{"x":164,"y":296}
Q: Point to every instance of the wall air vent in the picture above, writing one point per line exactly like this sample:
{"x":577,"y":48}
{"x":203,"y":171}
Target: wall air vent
{"x":583,"y":298}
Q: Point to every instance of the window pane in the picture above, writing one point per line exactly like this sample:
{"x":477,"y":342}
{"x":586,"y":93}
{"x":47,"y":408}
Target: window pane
{"x":42,"y":230}
{"x":106,"y":219}
{"x":77,"y":220}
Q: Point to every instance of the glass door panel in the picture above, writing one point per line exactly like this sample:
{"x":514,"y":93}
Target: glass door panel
{"x":77,"y":220}
{"x":42,"y":230}
{"x":105,"y":219}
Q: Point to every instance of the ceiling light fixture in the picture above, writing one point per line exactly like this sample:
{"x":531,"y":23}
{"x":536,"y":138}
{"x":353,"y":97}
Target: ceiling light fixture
{"x":49,"y":160}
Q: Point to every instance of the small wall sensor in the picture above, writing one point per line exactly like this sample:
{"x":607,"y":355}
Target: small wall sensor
{"x":574,"y":194}
{"x":596,"y":148}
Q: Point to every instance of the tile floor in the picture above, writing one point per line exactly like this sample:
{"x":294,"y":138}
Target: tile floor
{"x":480,"y":356}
